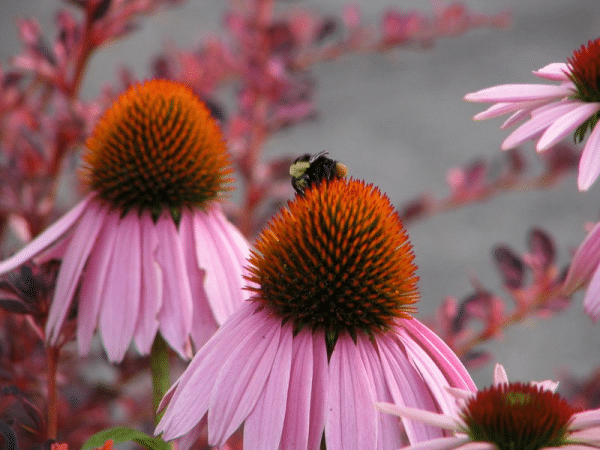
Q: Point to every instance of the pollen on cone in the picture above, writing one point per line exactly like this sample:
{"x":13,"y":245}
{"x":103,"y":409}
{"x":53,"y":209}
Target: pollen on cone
{"x":157,"y":147}
{"x":585,"y":71}
{"x":337,"y":259}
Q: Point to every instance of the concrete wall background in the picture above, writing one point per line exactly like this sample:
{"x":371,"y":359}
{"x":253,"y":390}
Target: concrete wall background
{"x":399,"y":120}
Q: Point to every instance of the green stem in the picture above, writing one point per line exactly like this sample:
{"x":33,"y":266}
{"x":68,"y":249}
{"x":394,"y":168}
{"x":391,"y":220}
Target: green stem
{"x":159,"y":366}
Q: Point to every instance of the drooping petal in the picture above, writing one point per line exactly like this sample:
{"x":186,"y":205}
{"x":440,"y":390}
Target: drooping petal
{"x":554,"y":72}
{"x":189,"y":439}
{"x":446,"y":443}
{"x":263,"y":427}
{"x":241,"y":381}
{"x":351,"y":421}
{"x":389,"y":430}
{"x":584,"y":262}
{"x":152,"y":287}
{"x":320,"y":387}
{"x":204,"y":322}
{"x":175,"y":316}
{"x":591,"y":301}
{"x":438,"y":350}
{"x":53,"y":233}
{"x":76,"y":255}
{"x":297,"y":418}
{"x":538,"y":123}
{"x":567,"y":123}
{"x":585,"y":419}
{"x":520,"y":93}
{"x":192,"y":391}
{"x":589,"y":164}
{"x":435,"y":419}
{"x":407,"y":388}
{"x":120,"y":306}
{"x":500,"y":109}
{"x":93,"y":283}
{"x":222,"y":259}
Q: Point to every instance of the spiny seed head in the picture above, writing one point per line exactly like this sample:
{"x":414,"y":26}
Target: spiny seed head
{"x":518,"y":416}
{"x":585,"y":74}
{"x":157,"y":147}
{"x":336,"y":259}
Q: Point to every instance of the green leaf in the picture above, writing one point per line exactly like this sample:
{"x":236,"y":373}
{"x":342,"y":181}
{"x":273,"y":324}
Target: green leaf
{"x":123,"y":434}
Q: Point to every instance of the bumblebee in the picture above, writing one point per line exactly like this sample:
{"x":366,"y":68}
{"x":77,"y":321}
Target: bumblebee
{"x":308,"y":169}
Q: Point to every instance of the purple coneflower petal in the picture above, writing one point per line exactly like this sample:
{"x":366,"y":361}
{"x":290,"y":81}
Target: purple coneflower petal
{"x":318,"y":397}
{"x":500,"y":376}
{"x":445,"y":443}
{"x":406,"y":387}
{"x":584,"y":262}
{"x":265,"y":422}
{"x":190,"y":393}
{"x":241,"y":380}
{"x":591,"y":301}
{"x":216,"y":250}
{"x":175,"y":315}
{"x":439,"y":352}
{"x":567,"y":123}
{"x":297,"y":420}
{"x":589,"y":164}
{"x":119,"y":312}
{"x":76,"y":255}
{"x":585,"y":419}
{"x":435,"y":419}
{"x":152,"y":287}
{"x":351,"y":422}
{"x":554,"y":72}
{"x":538,"y":123}
{"x":47,"y":238}
{"x":94,"y":282}
{"x":520,"y":92}
{"x":389,"y":431}
{"x":499,"y":109}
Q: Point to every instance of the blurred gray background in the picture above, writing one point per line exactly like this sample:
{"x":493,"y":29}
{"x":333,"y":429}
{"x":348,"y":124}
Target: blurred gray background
{"x":398,"y":120}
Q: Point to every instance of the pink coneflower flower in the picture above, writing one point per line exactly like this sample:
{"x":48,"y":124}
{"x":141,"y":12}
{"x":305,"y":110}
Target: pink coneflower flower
{"x":148,"y":249}
{"x":584,"y":269}
{"x":554,"y":111}
{"x":508,"y":416}
{"x":327,"y":333}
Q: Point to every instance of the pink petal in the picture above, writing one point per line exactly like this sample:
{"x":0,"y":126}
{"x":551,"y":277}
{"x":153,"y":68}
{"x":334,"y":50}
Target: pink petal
{"x":407,"y":388}
{"x":500,"y":376}
{"x":389,"y":430}
{"x":264,"y":425}
{"x":204,"y":323}
{"x":320,"y":387}
{"x":222,"y":262}
{"x":589,"y":164}
{"x":584,"y":262}
{"x":445,"y":443}
{"x":175,"y":316}
{"x":591,"y":302}
{"x":585,"y":419}
{"x":76,"y":255}
{"x":93,"y":282}
{"x":188,"y":398}
{"x":566,"y":125}
{"x":520,"y":93}
{"x":297,"y":419}
{"x":351,"y":421}
{"x":152,"y":287}
{"x":500,"y":109}
{"x":241,"y":381}
{"x":538,"y":122}
{"x":120,"y":305}
{"x":438,"y":350}
{"x":554,"y":72}
{"x":56,"y":231}
{"x":189,"y":439}
{"x":435,"y":419}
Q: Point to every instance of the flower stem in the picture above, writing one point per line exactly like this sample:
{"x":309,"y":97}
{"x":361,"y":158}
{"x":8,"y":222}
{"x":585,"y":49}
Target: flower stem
{"x":159,"y":366}
{"x":52,"y":354}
